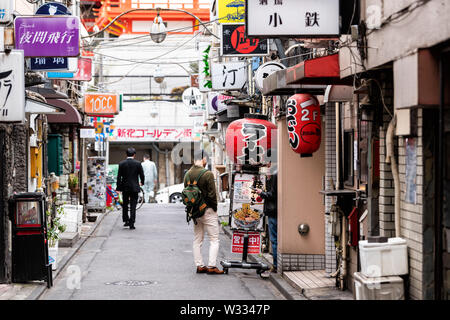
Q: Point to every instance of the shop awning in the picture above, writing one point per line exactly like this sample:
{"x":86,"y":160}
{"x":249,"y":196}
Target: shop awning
{"x":48,"y":93}
{"x":275,"y":85}
{"x":71,"y":116}
{"x":38,"y":107}
{"x":323,"y":70}
{"x":338,"y":93}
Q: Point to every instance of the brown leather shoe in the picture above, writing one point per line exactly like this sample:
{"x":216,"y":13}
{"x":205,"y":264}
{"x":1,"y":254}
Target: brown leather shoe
{"x":214,"y":270}
{"x":202,"y":269}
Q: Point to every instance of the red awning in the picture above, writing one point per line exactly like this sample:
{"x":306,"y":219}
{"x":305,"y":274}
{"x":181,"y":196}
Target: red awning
{"x":323,"y":70}
{"x":72,"y":116}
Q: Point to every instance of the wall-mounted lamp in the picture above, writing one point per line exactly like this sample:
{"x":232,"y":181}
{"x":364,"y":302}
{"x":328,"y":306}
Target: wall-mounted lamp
{"x":303,"y":229}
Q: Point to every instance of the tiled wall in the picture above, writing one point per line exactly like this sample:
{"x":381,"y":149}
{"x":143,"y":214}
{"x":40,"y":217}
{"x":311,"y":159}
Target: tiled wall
{"x":411,"y":214}
{"x":330,"y":173}
{"x":386,"y":197}
{"x":300,"y":262}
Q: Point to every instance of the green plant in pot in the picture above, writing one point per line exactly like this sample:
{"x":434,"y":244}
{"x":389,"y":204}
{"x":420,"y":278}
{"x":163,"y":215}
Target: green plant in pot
{"x":73,"y":184}
{"x":54,"y":226}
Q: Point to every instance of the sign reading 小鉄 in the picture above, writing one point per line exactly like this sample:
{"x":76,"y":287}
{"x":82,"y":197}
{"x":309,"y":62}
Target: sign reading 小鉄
{"x":289,"y":18}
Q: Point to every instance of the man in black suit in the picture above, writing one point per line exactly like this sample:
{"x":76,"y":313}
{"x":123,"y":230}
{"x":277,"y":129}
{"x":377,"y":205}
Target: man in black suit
{"x":130,"y":171}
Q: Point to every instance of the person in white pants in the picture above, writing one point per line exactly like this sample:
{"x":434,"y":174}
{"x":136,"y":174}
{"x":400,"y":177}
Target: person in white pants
{"x":209,"y":222}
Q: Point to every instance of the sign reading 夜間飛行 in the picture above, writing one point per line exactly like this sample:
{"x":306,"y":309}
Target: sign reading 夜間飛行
{"x":288,"y":18}
{"x":101,"y":103}
{"x":234,"y":42}
{"x":48,"y":36}
{"x":12,"y":87}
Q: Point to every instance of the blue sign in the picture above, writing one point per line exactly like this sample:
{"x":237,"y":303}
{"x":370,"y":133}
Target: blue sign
{"x":59,"y":75}
{"x":49,"y":63}
{"x":53,"y":8}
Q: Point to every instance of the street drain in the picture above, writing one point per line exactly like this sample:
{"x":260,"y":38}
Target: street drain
{"x":132,"y":283}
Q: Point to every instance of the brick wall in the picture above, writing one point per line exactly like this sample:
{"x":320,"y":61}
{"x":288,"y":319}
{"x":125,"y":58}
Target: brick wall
{"x":386,"y":196}
{"x":411,"y":213}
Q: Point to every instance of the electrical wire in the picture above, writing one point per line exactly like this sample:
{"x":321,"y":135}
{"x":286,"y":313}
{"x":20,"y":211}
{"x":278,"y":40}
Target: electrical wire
{"x":150,"y":9}
{"x":139,"y":63}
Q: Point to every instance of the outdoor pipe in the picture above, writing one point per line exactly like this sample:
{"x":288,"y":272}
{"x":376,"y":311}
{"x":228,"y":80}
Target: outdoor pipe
{"x":390,"y":158}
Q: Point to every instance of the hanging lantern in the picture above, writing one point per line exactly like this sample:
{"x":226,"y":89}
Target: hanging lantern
{"x":304,"y":124}
{"x":250,"y":141}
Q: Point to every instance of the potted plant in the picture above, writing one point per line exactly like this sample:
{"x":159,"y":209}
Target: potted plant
{"x":54,"y":229}
{"x":73,"y":184}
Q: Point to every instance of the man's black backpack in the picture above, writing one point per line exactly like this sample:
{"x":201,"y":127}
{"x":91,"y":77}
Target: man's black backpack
{"x":193,"y":198}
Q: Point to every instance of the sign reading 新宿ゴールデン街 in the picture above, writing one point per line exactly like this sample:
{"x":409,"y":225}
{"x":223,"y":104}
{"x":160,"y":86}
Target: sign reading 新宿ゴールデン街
{"x":12,"y":87}
{"x":231,"y":11}
{"x":101,"y":103}
{"x":48,"y":36}
{"x":234,"y":42}
{"x":151,"y":133}
{"x":282,"y":18}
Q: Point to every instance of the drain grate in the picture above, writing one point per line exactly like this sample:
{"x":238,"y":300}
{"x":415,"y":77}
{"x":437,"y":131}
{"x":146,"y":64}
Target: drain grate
{"x":132,"y":283}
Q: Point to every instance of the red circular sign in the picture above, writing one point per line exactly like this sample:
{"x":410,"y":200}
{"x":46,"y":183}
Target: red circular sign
{"x":241,"y":43}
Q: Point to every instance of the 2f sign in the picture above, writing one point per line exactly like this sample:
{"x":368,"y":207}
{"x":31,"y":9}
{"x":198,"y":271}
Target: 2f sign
{"x":101,"y":104}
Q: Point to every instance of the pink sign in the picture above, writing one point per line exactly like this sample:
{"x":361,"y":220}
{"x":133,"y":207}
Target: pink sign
{"x":151,"y":134}
{"x":254,"y":242}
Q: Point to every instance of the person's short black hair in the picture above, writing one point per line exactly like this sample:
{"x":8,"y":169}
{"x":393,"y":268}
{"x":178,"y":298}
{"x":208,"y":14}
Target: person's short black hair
{"x":131,"y":152}
{"x":146,"y":156}
{"x":200,"y":154}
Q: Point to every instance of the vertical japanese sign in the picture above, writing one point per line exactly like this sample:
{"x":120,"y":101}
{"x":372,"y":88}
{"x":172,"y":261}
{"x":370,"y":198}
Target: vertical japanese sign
{"x":287,"y":18}
{"x":234,"y":42}
{"x":231,"y":11}
{"x":48,"y":36}
{"x":6,"y":8}
{"x":12,"y":87}
{"x":229,"y":76}
{"x":411,"y":171}
{"x":204,"y":81}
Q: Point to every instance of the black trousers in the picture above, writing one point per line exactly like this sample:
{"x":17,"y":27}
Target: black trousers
{"x":129,"y":198}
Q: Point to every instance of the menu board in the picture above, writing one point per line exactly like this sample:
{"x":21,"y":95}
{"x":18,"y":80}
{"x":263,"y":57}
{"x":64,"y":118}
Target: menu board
{"x":28,"y":213}
{"x":247,"y":206}
{"x":96,"y":183}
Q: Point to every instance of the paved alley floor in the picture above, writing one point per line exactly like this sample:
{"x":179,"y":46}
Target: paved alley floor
{"x":152,"y":262}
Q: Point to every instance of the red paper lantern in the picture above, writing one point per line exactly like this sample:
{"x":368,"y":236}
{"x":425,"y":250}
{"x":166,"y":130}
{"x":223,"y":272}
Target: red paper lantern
{"x":304,"y":124}
{"x":248,"y":140}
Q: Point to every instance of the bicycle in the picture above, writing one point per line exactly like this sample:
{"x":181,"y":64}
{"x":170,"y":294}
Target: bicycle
{"x":117,"y":197}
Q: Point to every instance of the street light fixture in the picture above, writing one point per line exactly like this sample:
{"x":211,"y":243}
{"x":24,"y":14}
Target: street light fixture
{"x":158,"y":31}
{"x":158,"y":75}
